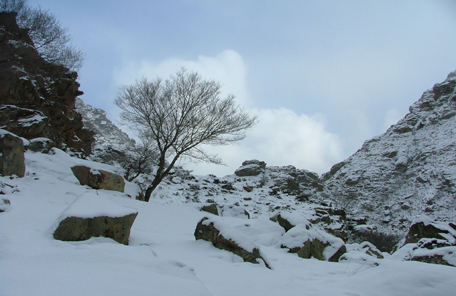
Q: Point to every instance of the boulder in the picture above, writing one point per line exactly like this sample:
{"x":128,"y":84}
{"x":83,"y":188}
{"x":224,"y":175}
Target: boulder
{"x":98,"y":179}
{"x":212,"y":208}
{"x":435,"y":251}
{"x":310,"y":242}
{"x":5,"y":205}
{"x":250,"y":168}
{"x":91,"y":215}
{"x":224,"y":237}
{"x":12,"y":160}
{"x":427,"y":229}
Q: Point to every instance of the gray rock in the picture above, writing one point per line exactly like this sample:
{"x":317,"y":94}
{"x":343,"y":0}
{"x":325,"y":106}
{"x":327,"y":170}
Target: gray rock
{"x":212,"y":208}
{"x":99,"y":179}
{"x":12,"y":160}
{"x":250,"y":168}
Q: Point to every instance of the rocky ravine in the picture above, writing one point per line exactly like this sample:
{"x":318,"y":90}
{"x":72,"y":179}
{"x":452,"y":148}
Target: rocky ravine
{"x":408,"y":172}
{"x":395,"y":178}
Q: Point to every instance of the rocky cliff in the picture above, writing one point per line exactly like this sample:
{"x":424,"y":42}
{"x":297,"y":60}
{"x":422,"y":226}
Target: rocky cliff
{"x":408,"y":172}
{"x":37,"y":98}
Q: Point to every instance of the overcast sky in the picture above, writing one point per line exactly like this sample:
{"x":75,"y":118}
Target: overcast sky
{"x":323,"y":76}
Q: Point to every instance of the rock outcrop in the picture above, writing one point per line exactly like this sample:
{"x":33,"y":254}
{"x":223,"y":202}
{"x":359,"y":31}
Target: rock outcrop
{"x":98,"y":179}
{"x":250,"y":168}
{"x":213,"y":230}
{"x":12,"y":160}
{"x":37,"y":98}
{"x":93,"y":216}
{"x":309,"y":242}
{"x":406,"y":172}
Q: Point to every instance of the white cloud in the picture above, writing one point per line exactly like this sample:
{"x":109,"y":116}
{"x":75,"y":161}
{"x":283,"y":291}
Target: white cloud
{"x":281,"y":137}
{"x":228,"y":67}
{"x":392,"y":117}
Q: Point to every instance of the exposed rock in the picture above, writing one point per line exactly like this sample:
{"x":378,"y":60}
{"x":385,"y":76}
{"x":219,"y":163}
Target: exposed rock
{"x":212,"y":208}
{"x":5,"y":205}
{"x":250,"y":168}
{"x":37,"y":98}
{"x":210,"y":230}
{"x":310,"y":242}
{"x":40,"y":145}
{"x":92,"y":216}
{"x":422,"y":229}
{"x":406,"y":172}
{"x":12,"y":160}
{"x":98,"y":179}
{"x":284,"y":222}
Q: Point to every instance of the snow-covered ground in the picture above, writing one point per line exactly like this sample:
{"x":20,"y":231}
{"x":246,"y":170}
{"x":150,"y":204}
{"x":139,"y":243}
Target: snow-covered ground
{"x":163,"y":257}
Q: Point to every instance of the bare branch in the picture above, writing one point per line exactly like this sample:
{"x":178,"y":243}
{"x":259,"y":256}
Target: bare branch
{"x":180,"y":114}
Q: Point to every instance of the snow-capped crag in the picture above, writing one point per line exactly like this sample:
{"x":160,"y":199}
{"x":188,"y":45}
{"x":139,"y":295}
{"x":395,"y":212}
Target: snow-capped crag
{"x":107,"y":134}
{"x":408,"y":172}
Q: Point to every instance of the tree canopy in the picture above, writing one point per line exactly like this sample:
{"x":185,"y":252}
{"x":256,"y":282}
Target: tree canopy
{"x":179,"y":115}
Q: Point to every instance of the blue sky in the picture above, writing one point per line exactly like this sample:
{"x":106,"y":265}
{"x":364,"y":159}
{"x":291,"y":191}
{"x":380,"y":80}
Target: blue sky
{"x":323,"y":76}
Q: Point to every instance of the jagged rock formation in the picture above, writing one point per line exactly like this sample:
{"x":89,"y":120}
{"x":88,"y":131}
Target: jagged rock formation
{"x":37,"y":98}
{"x":405,"y":173}
{"x":107,"y":134}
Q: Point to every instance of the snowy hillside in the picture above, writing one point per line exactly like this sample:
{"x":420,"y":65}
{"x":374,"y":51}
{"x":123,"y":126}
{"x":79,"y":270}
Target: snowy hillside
{"x":408,"y":172}
{"x":163,"y":257}
{"x":106,"y":132}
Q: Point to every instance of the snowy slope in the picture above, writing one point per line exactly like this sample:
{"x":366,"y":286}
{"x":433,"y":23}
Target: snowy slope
{"x":106,"y":132}
{"x":408,"y":172}
{"x":163,"y":257}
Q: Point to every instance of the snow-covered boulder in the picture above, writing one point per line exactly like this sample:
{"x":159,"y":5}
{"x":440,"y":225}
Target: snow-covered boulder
{"x":363,"y":253}
{"x":11,"y":155}
{"x":431,"y":229}
{"x":98,"y":179}
{"x":288,"y":220}
{"x":431,"y":242}
{"x":310,"y":242}
{"x":234,"y":211}
{"x":226,"y":237}
{"x":91,"y":215}
{"x":5,"y":205}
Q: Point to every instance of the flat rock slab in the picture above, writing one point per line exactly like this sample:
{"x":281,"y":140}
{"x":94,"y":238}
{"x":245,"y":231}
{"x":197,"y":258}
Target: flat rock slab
{"x":91,"y":216}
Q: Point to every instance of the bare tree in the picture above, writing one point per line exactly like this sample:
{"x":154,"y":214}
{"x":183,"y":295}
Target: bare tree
{"x":179,"y":115}
{"x":50,"y":39}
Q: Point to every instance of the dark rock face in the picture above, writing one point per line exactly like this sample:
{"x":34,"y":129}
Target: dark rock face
{"x":99,"y":179}
{"x":78,"y":229}
{"x":12,"y":155}
{"x":250,"y":168}
{"x":406,"y":172}
{"x":209,"y":232}
{"x":37,"y":98}
{"x":421,"y":230}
